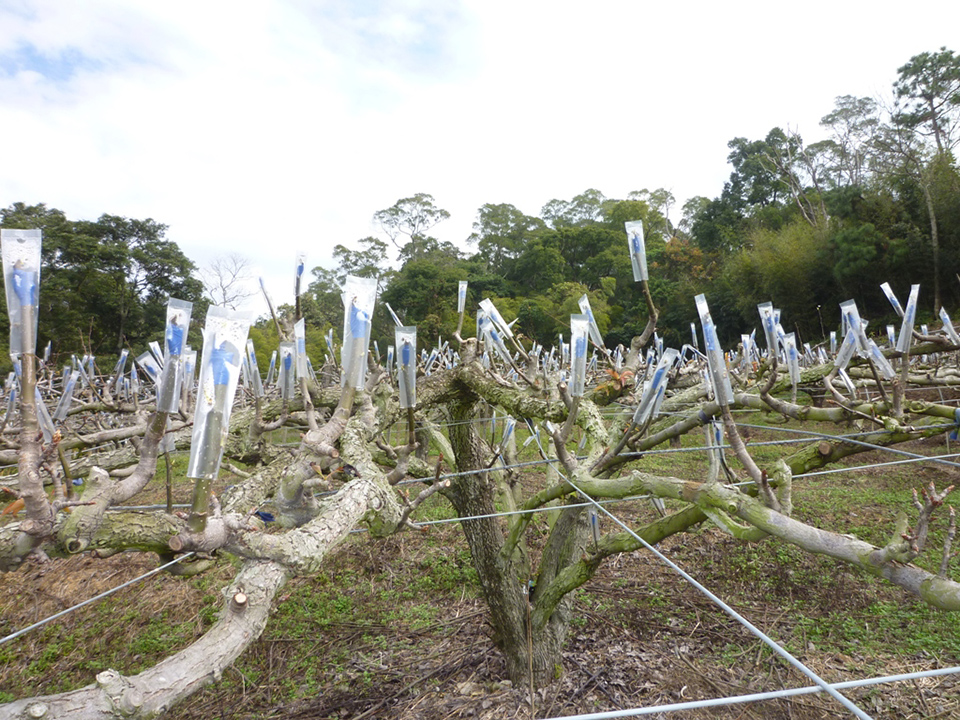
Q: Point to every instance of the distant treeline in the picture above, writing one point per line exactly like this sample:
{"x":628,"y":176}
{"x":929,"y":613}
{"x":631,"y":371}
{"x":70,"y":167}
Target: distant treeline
{"x":104,"y":284}
{"x":804,"y":226}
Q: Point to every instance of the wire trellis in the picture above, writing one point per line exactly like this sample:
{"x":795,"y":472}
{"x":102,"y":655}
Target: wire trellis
{"x":95,"y":598}
{"x":756,"y":697}
{"x":820,"y":685}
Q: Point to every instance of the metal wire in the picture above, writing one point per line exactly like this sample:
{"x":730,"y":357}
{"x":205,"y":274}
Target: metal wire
{"x":821,"y":685}
{"x":754,"y":697}
{"x":102,"y":595}
{"x":532,"y":511}
{"x":875,"y":465}
{"x":127,"y":508}
{"x":732,"y":613}
{"x":851,"y":439}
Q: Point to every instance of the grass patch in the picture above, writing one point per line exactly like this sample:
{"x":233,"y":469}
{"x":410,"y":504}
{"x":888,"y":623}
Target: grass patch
{"x":386,"y":613}
{"x":905,"y":628}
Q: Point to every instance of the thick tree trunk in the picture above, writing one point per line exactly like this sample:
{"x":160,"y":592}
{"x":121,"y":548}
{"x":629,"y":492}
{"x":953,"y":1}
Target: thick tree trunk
{"x":505,"y":572}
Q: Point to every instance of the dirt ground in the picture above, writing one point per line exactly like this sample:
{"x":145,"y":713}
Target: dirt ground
{"x":359,"y":642}
{"x":645,"y":639}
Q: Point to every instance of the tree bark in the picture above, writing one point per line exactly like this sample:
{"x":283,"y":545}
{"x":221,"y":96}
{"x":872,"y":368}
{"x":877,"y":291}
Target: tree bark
{"x":247,"y":603}
{"x":934,"y":238}
{"x":504,"y":569}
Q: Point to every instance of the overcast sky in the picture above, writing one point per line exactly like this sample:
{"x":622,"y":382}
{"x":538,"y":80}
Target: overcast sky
{"x":268,"y":128}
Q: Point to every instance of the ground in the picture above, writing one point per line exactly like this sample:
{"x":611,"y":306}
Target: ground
{"x":395,"y":628}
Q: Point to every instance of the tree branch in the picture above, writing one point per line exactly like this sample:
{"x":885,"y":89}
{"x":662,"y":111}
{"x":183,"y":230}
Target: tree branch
{"x":245,"y":613}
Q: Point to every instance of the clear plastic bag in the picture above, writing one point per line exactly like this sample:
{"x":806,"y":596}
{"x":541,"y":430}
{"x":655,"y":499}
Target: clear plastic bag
{"x":579,"y":331}
{"x":174,"y":339}
{"x":21,"y":276}
{"x":359,"y":296}
{"x":638,"y":254}
{"x":719,"y":376}
{"x":224,"y":341}
{"x":406,"y":344}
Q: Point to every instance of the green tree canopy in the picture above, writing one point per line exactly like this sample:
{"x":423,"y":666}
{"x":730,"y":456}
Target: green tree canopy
{"x":928,"y":93}
{"x":104,"y":283}
{"x":500,"y":232}
{"x":411,"y":217}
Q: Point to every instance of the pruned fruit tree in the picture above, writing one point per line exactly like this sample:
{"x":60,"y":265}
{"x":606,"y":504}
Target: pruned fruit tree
{"x":291,"y":508}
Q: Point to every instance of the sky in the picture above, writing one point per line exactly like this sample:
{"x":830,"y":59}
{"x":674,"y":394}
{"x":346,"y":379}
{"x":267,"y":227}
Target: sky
{"x":270,"y":128}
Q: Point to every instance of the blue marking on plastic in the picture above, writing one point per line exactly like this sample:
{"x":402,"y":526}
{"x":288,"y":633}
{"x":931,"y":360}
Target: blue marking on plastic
{"x":220,"y":360}
{"x":175,"y":338}
{"x":359,"y":321}
{"x":580,"y":347}
{"x":25,"y":286}
{"x":710,"y":338}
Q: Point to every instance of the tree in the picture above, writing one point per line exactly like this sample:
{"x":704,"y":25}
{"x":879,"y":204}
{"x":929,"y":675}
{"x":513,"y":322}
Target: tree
{"x":926,"y":106}
{"x":321,"y":304}
{"x":690,"y":211}
{"x":717,"y":226}
{"x":540,"y":264}
{"x":153,"y":269}
{"x":753,"y":182}
{"x":803,"y":170}
{"x":106,"y":282}
{"x":425,"y":288}
{"x":412,"y":216}
{"x":583,"y":209}
{"x":500,"y":232}
{"x":529,"y":594}
{"x":226,"y":280}
{"x":928,"y":93}
{"x":857,"y":255}
{"x":425,"y":247}
{"x":853,"y":123}
{"x":368,"y":262}
{"x":753,"y":197}
{"x":324,"y":292}
{"x":792,"y":268}
{"x":657,"y":218}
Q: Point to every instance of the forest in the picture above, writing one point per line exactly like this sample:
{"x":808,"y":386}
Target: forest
{"x":807,"y":225}
{"x":407,"y":359}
